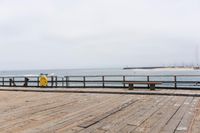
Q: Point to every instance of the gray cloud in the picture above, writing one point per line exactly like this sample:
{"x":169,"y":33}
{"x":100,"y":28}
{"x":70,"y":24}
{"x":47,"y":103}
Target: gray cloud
{"x":97,"y":33}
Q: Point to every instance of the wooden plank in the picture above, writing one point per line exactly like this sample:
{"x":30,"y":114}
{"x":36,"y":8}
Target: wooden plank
{"x":156,"y":121}
{"x":68,"y":119}
{"x":111,"y":122}
{"x":194,"y":126}
{"x":61,"y":112}
{"x":19,"y":113}
{"x":106,"y":108}
{"x":71,"y":130}
{"x":106,"y":114}
{"x":40,"y":116}
{"x":115,"y":122}
{"x":19,"y":101}
{"x":169,"y":113}
{"x":29,"y":107}
{"x":173,"y":123}
{"x":144,"y":115}
{"x":187,"y":118}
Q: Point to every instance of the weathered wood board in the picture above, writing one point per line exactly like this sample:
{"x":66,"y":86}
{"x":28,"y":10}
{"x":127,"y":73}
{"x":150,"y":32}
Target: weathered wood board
{"x":38,"y":112}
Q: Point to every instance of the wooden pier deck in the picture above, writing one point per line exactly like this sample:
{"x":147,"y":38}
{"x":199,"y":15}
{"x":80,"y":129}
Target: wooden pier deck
{"x":49,"y":112}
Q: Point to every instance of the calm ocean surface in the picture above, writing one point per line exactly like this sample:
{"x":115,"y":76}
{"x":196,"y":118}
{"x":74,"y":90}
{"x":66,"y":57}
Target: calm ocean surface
{"x":109,"y":72}
{"x":91,"y":72}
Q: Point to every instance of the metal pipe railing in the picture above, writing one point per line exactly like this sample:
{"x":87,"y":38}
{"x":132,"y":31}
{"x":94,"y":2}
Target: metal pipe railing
{"x":103,"y":81}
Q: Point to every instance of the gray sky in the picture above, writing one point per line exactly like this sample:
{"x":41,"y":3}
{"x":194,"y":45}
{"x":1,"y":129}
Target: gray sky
{"x":49,"y":34}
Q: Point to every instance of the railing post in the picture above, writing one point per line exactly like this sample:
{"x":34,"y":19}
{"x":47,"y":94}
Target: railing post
{"x":103,"y":81}
{"x":124,"y":80}
{"x":3,"y":81}
{"x":10,"y":82}
{"x":84,"y":81}
{"x":175,"y":82}
{"x":52,"y":81}
{"x":62,"y":82}
{"x":38,"y":81}
{"x":56,"y":81}
{"x":67,"y":81}
{"x":148,"y":79}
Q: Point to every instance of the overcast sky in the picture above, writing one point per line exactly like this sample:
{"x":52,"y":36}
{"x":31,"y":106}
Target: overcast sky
{"x":50,"y":34}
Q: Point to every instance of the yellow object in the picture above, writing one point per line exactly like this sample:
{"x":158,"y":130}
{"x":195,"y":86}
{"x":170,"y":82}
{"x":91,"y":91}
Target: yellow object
{"x":43,"y":81}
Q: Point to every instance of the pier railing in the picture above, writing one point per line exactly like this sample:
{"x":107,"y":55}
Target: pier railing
{"x":104,"y":81}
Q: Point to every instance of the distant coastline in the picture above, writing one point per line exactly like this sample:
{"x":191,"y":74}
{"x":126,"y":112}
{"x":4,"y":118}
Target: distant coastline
{"x":169,"y":68}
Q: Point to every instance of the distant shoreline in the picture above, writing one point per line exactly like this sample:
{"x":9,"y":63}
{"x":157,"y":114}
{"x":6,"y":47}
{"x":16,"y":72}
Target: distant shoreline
{"x":163,"y":68}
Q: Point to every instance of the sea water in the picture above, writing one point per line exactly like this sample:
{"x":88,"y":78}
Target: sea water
{"x":92,"y":72}
{"x":117,"y":74}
